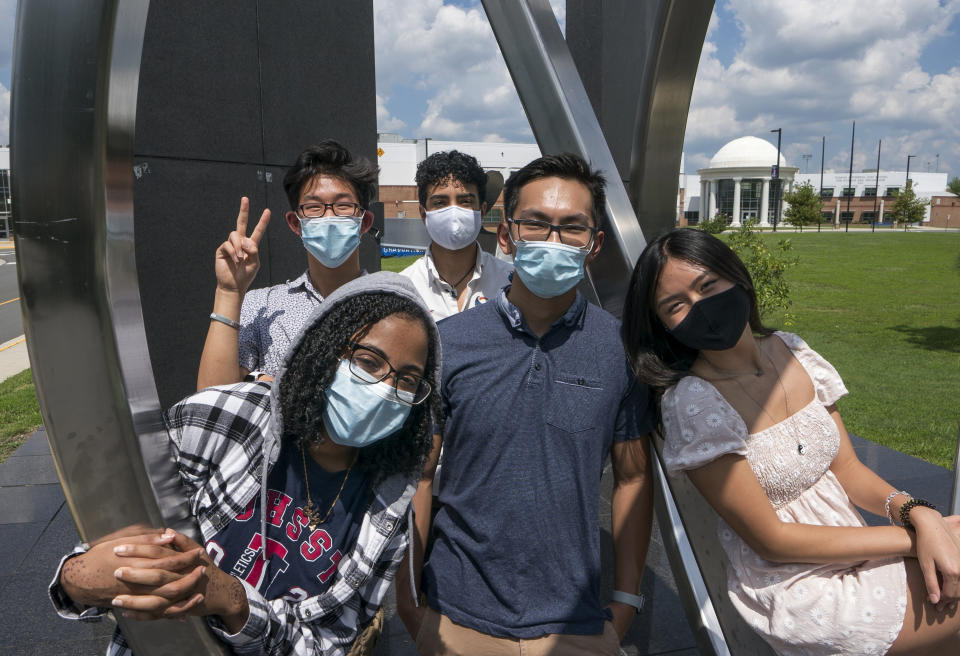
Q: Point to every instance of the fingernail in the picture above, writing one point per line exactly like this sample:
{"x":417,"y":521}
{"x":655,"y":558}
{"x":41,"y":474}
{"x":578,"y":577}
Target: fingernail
{"x":119,"y":573}
{"x":118,"y":602}
{"x":203,"y":570}
{"x":168,"y":533}
{"x":121,"y":549}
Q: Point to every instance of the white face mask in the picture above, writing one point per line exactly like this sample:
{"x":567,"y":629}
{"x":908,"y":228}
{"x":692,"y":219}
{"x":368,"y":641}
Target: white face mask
{"x":453,"y":227}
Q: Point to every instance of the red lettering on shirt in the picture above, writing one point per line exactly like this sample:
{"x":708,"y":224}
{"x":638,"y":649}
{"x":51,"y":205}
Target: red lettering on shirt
{"x":248,"y":512}
{"x":274,"y":550}
{"x":298,"y":521}
{"x":315,"y":547}
{"x":327,"y":573}
{"x":277,"y":503}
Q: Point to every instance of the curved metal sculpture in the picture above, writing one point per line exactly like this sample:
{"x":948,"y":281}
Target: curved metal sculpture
{"x":75,"y":80}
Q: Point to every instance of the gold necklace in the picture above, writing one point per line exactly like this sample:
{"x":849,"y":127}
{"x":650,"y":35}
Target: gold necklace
{"x":312,"y":513}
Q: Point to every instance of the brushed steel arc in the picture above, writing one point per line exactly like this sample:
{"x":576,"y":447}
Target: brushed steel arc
{"x":73,"y":111}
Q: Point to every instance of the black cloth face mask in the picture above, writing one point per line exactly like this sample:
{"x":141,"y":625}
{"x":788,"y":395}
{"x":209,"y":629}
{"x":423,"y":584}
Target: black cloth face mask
{"x":715,"y":323}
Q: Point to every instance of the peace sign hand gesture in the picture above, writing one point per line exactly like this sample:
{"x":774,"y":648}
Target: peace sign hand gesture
{"x":238,"y":258}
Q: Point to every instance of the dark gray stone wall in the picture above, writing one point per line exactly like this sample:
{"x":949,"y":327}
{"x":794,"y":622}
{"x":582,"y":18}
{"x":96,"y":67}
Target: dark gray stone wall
{"x":230,"y":93}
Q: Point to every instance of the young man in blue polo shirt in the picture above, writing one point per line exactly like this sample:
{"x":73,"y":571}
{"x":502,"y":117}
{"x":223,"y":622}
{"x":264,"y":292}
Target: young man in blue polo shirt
{"x":537,"y":393}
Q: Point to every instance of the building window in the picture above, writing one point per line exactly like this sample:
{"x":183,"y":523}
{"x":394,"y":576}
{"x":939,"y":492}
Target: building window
{"x":868,"y":217}
{"x":692,"y":217}
{"x":826,"y":192}
{"x":869,"y":192}
{"x":887,"y":217}
{"x":846,"y":217}
{"x":827,"y":217}
{"x":848,"y":191}
{"x":892,"y":191}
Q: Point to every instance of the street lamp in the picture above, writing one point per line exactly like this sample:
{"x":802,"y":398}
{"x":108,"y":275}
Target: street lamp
{"x":907,"y":183}
{"x":806,"y":162}
{"x":775,"y":175}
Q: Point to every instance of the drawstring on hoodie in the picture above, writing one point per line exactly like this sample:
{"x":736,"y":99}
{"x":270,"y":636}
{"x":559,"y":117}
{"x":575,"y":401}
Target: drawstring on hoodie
{"x":410,"y":532}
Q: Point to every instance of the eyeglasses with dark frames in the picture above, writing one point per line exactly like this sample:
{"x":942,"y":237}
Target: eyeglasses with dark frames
{"x":571,"y":234}
{"x":370,"y":367}
{"x":316,"y":209}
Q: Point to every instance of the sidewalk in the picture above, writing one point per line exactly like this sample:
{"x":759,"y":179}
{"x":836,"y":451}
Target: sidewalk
{"x":13,"y":357}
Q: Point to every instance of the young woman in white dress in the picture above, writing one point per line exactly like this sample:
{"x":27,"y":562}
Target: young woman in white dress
{"x":750,"y":416}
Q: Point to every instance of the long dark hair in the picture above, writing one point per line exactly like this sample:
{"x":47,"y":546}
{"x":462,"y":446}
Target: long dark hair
{"x":314,"y":364}
{"x":655,"y":356}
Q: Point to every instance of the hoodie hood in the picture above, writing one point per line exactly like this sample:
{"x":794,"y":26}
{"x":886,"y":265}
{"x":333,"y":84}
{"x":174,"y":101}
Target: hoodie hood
{"x":382,"y":282}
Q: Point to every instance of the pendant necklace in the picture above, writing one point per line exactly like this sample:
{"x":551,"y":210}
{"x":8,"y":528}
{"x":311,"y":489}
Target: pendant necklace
{"x":313,"y":514}
{"x":456,"y":284}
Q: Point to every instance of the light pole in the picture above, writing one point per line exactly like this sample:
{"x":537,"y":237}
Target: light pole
{"x":806,"y":162}
{"x":906,"y":184}
{"x":775,"y":175}
{"x":876,"y":190}
{"x":823,"y":149}
{"x":849,"y":189}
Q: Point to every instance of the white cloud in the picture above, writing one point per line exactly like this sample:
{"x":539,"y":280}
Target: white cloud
{"x":386,"y":122}
{"x":814,"y":66}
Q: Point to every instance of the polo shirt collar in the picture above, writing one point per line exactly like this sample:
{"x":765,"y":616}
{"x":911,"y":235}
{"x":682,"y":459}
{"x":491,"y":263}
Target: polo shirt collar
{"x":572,"y":318}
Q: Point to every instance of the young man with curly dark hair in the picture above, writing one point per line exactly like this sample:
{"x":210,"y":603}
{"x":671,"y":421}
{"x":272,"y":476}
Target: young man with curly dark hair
{"x":329,"y":191}
{"x":455,"y":273}
{"x":301,"y":488}
{"x":537,"y":394}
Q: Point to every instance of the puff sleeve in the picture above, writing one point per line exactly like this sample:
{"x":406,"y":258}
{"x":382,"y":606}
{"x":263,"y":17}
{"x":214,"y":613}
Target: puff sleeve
{"x":826,"y":381}
{"x":699,"y":426}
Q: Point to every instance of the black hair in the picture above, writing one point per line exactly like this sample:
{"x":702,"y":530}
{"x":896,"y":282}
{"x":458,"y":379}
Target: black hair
{"x":565,"y":165}
{"x":312,"y":368}
{"x":439,"y":167}
{"x":656,"y":357}
{"x":330,"y":158}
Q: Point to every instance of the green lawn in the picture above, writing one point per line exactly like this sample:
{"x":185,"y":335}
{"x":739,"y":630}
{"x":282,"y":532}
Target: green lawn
{"x":884,"y":308}
{"x":397,"y":264}
{"x":19,"y":412}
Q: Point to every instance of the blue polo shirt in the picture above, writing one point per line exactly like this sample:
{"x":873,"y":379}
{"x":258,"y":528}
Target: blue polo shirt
{"x":529,"y":424}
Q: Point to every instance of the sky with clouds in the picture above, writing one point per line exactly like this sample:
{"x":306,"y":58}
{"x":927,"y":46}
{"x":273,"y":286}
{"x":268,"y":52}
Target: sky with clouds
{"x":810,"y":67}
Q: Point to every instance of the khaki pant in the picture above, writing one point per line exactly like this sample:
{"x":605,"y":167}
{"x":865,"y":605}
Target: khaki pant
{"x":438,"y":636}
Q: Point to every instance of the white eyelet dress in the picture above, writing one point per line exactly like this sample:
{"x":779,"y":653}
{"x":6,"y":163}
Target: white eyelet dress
{"x":798,"y":608}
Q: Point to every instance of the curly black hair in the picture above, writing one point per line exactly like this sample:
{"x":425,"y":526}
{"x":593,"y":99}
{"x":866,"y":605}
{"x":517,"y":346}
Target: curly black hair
{"x":331,"y":158}
{"x":312,"y":368}
{"x":438,"y":167}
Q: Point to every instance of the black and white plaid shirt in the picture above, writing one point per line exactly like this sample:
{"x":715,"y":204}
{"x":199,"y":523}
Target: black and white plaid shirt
{"x":219,"y":437}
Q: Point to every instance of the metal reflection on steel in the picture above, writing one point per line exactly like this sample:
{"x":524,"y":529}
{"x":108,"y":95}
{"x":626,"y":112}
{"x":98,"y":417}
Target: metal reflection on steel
{"x":74,"y":93}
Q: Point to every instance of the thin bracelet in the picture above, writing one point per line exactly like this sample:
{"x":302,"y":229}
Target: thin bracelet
{"x":225,"y":320}
{"x":886,"y":504}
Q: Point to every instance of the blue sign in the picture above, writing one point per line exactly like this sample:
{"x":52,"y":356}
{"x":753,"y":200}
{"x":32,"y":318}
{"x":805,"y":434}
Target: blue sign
{"x":774,"y":172}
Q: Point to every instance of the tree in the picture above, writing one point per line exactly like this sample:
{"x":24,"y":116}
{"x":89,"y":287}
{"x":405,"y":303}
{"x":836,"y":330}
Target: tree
{"x":805,"y":206}
{"x":908,"y":208}
{"x":714,"y":226}
{"x":954,"y":186}
{"x":767,"y":268}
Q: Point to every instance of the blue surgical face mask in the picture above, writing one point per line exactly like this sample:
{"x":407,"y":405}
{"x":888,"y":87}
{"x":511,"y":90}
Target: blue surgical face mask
{"x":330,"y":239}
{"x":359,"y":414}
{"x":548,"y":268}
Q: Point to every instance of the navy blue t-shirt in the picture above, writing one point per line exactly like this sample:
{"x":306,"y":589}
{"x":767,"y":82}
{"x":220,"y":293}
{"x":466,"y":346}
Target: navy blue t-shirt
{"x":302,"y":562}
{"x":529,"y":424}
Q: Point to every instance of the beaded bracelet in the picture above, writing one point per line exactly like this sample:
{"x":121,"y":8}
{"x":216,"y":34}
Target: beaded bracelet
{"x":886,"y":504}
{"x":908,"y":506}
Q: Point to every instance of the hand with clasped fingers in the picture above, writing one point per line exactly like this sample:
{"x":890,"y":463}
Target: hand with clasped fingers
{"x":155,"y":576}
{"x":238,"y":258}
{"x":938,"y":554}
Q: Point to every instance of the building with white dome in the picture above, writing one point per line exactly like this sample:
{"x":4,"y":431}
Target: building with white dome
{"x":740,"y":184}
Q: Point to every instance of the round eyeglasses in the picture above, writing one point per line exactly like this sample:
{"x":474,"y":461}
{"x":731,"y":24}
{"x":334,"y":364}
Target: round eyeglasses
{"x":370,"y":367}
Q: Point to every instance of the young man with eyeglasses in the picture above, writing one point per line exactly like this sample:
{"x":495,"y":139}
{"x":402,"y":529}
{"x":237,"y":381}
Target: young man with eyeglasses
{"x":329,"y":191}
{"x":455,"y":273}
{"x":537,"y":393}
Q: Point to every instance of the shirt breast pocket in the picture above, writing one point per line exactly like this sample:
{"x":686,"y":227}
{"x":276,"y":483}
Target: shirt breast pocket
{"x":574,"y":403}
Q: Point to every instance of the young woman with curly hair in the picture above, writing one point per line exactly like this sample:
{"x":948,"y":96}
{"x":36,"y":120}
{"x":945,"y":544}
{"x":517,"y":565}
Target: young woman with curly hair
{"x":301,"y":563}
